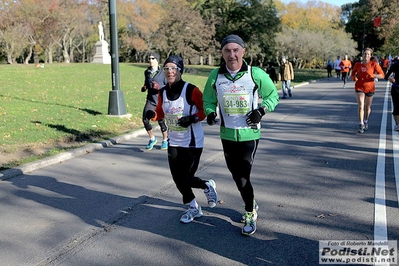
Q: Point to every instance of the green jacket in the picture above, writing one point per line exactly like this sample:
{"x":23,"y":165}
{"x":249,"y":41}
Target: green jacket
{"x":266,"y":89}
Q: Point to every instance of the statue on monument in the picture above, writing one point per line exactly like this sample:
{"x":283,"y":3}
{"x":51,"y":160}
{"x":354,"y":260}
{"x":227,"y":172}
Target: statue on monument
{"x":102,"y":55}
{"x":101,"y":31}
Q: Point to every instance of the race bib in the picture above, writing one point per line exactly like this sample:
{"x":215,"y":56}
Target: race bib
{"x":236,"y":104}
{"x":171,"y":122}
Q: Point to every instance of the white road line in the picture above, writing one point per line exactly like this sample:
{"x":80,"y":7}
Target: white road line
{"x":380,"y":217}
{"x":395,"y":144}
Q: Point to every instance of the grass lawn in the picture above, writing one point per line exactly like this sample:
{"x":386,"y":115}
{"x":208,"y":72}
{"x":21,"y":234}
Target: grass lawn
{"x":68,"y":104}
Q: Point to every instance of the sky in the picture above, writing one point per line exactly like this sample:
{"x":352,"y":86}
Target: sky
{"x":331,"y":2}
{"x":338,"y":2}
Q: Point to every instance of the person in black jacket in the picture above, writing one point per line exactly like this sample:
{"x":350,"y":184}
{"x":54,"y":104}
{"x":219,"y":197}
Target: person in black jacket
{"x":154,"y":79}
{"x":393,"y":76}
{"x":272,"y":72}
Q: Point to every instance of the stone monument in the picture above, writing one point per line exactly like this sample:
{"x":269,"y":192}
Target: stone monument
{"x":102,"y":55}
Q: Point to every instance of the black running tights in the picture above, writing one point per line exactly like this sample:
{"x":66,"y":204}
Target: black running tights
{"x":395,"y":98}
{"x":239,"y":157}
{"x":183,"y":163}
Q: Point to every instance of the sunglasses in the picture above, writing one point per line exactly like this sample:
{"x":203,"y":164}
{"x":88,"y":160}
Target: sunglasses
{"x":152,"y":58}
{"x":171,"y":69}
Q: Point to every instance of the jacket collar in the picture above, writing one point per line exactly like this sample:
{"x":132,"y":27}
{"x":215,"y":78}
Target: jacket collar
{"x":223,"y":69}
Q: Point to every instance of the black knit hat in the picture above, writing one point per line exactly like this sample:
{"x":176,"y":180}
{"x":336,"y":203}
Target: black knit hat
{"x":156,"y":55}
{"x":177,"y":60}
{"x":232,"y":39}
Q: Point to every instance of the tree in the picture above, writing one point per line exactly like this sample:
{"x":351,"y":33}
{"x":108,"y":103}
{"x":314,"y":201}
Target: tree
{"x":361,"y":17}
{"x":71,"y":15}
{"x":311,"y":15}
{"x":41,"y":17}
{"x":312,"y":48}
{"x":312,"y":33}
{"x":263,"y":22}
{"x":14,"y":33}
{"x":205,"y":7}
{"x":391,"y":46}
{"x":83,"y":37}
{"x":186,"y":35}
{"x":255,"y":21}
{"x":388,"y":11}
{"x":307,"y":32}
{"x":138,"y":22}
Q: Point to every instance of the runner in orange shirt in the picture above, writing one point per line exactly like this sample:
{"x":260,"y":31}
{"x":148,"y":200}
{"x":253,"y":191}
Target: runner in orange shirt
{"x":385,"y":64}
{"x":364,"y":73}
{"x":345,"y":65}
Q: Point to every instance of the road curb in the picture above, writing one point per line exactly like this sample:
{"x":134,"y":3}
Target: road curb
{"x":59,"y":158}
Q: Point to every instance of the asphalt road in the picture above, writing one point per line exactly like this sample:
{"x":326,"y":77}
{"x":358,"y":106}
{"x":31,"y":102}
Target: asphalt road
{"x":315,"y":178}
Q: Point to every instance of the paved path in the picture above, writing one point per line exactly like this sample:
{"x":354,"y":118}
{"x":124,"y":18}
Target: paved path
{"x":115,"y":204}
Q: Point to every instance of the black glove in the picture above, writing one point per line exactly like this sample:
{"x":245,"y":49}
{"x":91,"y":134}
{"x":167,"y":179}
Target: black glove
{"x":150,"y":114}
{"x":155,"y":85}
{"x":143,"y":89}
{"x":211,"y":119}
{"x":254,"y":117}
{"x":186,"y":121}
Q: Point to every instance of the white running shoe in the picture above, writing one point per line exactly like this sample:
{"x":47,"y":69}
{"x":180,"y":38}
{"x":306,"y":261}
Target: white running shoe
{"x":190,"y":214}
{"x":361,"y":128}
{"x":211,"y":194}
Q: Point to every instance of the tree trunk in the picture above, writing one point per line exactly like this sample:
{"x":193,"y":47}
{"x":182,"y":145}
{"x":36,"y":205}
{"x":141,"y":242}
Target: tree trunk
{"x":84,"y":54}
{"x":65,"y":53}
{"x":262,"y":60}
{"x":29,"y":55}
{"x":35,"y":57}
{"x":71,"y":49}
{"x":50,"y":55}
{"x":9,"y":59}
{"x":250,"y":61}
{"x":66,"y":56}
{"x":65,"y":44}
